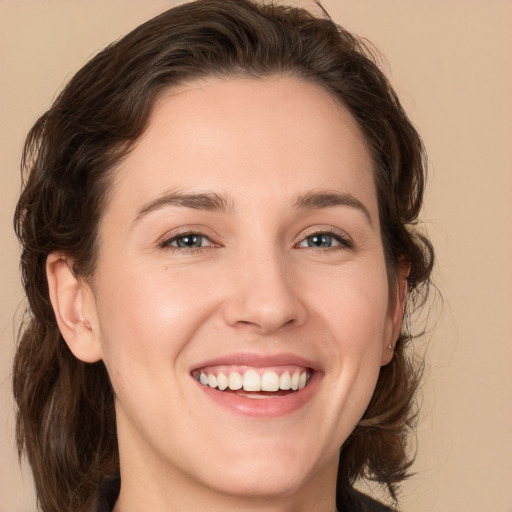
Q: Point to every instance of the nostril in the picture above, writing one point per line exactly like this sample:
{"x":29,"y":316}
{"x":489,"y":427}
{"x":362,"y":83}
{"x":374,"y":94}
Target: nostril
{"x":263,"y":299}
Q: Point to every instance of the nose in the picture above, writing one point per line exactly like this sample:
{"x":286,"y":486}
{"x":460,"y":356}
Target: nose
{"x":264,"y":294}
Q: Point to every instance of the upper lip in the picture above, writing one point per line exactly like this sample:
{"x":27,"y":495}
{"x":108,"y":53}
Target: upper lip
{"x":257,"y":360}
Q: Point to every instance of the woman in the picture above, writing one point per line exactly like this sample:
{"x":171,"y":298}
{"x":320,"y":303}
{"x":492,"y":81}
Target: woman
{"x":217,"y":251}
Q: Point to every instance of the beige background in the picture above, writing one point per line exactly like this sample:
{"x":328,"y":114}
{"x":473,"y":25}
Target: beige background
{"x":451,"y":64}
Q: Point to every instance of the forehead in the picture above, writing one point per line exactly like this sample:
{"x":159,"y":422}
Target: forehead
{"x":276,"y":137}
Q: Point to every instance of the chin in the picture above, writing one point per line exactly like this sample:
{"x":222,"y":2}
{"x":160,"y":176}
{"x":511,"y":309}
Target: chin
{"x":264,"y":481}
{"x":266,"y":471}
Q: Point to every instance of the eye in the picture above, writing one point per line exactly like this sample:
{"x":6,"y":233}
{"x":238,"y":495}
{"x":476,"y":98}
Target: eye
{"x":325,"y":240}
{"x":187,"y":241}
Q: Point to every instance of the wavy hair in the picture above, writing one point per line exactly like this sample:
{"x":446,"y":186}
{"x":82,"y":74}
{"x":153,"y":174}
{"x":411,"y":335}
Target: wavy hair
{"x":65,"y":407}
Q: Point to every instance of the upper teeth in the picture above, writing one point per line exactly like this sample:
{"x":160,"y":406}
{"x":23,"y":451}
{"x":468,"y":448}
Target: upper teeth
{"x":251,"y":380}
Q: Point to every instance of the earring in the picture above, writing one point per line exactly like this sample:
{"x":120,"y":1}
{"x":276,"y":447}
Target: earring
{"x":390,"y":348}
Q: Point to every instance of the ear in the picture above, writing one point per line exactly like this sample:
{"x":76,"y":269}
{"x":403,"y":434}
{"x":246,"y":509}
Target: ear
{"x":397,"y":311}
{"x":74,"y":307}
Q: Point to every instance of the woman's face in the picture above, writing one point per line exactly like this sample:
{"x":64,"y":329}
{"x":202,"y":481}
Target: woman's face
{"x":241,"y":247}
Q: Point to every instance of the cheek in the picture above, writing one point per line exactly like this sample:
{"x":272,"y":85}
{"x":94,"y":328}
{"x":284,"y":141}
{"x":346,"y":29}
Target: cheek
{"x":355,"y":303}
{"x":150,"y":313}
{"x":357,"y":318}
{"x":146,"y":320}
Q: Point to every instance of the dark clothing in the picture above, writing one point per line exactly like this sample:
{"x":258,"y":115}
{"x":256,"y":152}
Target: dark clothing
{"x":363,"y":503}
{"x":356,"y":502}
{"x":108,"y":493}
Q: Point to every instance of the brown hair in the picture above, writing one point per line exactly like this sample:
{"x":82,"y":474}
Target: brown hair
{"x":65,"y":416}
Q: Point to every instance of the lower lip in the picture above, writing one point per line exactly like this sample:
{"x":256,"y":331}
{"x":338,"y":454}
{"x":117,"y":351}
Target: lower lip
{"x":271,"y":407}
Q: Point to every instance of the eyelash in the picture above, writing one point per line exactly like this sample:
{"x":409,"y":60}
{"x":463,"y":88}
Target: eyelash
{"x":166,"y":244}
{"x":344,"y":241}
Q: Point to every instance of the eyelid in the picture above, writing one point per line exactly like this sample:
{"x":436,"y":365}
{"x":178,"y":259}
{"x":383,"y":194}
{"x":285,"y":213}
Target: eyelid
{"x":165,"y":241}
{"x":346,"y":241}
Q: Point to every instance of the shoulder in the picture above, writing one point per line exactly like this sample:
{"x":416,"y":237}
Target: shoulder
{"x":370,"y":505}
{"x":108,"y":493}
{"x":355,"y":501}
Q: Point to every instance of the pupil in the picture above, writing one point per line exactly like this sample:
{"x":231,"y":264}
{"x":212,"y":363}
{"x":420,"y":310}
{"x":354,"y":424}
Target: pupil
{"x":320,"y":241}
{"x":189,"y":241}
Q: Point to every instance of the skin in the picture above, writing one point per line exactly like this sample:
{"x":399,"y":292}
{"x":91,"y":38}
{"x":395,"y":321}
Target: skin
{"x":155,"y":310}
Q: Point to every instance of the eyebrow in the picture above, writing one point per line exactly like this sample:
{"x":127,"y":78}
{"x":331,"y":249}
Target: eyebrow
{"x":211,"y":201}
{"x":208,"y":201}
{"x":318,"y":199}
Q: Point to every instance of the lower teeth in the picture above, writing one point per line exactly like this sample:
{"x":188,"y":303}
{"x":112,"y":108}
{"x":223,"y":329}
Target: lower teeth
{"x":258,"y":396}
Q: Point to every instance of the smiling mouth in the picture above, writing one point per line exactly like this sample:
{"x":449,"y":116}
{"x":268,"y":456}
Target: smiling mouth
{"x":254,"y":382}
